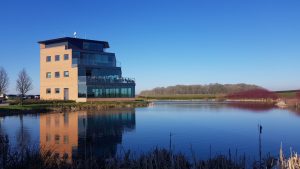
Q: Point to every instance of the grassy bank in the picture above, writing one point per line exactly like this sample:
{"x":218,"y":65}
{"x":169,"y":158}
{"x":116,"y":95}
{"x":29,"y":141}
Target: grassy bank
{"x":60,"y":106}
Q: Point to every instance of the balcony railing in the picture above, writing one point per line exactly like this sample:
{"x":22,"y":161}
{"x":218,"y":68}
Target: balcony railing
{"x":99,"y":79}
{"x":76,"y":62}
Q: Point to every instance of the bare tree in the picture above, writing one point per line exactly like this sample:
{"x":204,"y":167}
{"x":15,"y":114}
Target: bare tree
{"x":3,"y":81}
{"x":24,"y":83}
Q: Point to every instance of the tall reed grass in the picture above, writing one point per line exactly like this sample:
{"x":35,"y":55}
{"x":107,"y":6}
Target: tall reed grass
{"x":29,"y":158}
{"x":291,"y":162}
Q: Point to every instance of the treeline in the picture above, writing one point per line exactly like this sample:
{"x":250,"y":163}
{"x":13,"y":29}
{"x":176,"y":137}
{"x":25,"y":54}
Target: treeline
{"x":199,"y":89}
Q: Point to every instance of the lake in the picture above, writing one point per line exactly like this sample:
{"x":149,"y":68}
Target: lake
{"x":206,"y":128}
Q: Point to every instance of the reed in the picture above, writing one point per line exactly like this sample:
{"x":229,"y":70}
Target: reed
{"x":155,"y":159}
{"x":292,"y":162}
{"x":31,"y":158}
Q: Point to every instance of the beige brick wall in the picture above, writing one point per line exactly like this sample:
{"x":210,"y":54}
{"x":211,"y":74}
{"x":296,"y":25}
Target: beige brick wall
{"x":62,"y":82}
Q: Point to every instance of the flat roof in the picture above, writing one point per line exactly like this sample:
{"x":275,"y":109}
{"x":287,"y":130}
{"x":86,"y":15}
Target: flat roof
{"x":70,"y":39}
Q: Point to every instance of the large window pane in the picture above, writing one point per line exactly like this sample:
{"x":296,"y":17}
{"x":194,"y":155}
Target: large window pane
{"x":82,"y":91}
{"x":93,"y":46}
{"x":103,"y":92}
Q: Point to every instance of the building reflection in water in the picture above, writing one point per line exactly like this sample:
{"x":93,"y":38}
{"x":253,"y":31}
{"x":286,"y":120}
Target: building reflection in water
{"x":59,"y":132}
{"x":85,"y":134}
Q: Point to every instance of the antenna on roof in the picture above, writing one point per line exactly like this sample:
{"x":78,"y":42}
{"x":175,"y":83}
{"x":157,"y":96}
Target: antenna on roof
{"x":74,"y":34}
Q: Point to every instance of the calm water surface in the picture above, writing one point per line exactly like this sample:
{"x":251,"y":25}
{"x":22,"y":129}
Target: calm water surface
{"x":205,"y":127}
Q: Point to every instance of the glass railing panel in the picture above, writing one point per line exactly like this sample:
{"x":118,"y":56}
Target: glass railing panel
{"x":97,"y":79}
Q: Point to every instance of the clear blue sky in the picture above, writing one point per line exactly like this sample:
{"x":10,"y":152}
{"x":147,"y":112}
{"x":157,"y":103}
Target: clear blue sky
{"x":165,"y":42}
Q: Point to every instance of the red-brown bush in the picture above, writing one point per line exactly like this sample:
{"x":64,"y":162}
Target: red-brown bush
{"x":253,"y":94}
{"x":298,"y":95}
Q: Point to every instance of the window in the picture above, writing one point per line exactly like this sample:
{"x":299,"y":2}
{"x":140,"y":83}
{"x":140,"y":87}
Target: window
{"x":66,"y":119}
{"x":48,"y":59}
{"x":88,"y":72}
{"x":48,"y":137}
{"x":57,"y":75}
{"x":66,"y":73}
{"x":66,"y":56}
{"x":93,"y":46}
{"x":82,"y":90}
{"x":56,"y":121}
{"x":57,"y":137}
{"x":66,"y":139}
{"x":65,"y":156}
{"x":75,"y":58}
{"x":48,"y":91}
{"x":129,"y":92}
{"x":48,"y":75}
{"x":56,"y":57}
{"x":57,"y":90}
{"x":48,"y":121}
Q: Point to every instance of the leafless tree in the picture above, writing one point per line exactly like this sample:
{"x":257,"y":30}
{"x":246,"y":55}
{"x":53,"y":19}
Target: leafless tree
{"x":24,"y":83}
{"x":3,"y":81}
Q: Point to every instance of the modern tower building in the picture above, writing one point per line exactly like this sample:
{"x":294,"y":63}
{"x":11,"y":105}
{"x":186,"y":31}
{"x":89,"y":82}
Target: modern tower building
{"x":81,"y":70}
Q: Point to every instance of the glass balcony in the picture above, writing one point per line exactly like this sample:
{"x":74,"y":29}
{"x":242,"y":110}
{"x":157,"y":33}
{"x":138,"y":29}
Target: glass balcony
{"x":105,"y":80}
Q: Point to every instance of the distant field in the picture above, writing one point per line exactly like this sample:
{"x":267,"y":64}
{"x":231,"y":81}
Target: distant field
{"x":184,"y":97}
{"x":287,"y":94}
{"x":281,"y":94}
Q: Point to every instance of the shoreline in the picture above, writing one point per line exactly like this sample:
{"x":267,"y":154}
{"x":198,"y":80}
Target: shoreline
{"x":58,"y":106}
{"x":280,"y":103}
{"x":37,"y":108}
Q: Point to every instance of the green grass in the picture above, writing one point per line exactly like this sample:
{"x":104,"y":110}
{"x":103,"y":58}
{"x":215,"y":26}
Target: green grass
{"x":24,"y":107}
{"x":44,"y":106}
{"x":286,"y":94}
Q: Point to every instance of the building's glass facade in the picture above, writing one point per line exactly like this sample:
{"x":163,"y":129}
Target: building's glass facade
{"x":98,"y":74}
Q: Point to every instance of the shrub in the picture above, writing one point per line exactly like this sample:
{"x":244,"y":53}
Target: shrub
{"x":255,"y":107}
{"x":253,"y":94}
{"x":33,"y":101}
{"x":298,"y":95}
